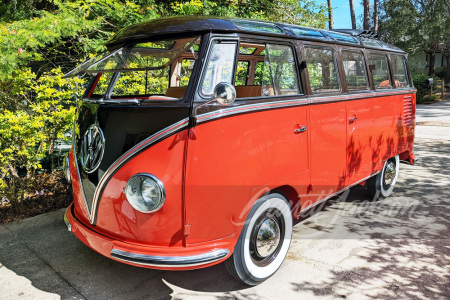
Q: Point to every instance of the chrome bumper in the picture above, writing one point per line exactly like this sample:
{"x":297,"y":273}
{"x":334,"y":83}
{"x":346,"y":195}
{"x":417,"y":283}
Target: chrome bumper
{"x":170,"y":261}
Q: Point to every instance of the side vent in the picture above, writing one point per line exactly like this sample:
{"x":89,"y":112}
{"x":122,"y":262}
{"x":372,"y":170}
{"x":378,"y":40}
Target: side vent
{"x":407,"y":111}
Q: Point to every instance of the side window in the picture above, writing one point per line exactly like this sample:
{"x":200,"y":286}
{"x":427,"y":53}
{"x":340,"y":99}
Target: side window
{"x":380,"y":71}
{"x":260,"y":72}
{"x":355,"y":70}
{"x":186,"y":70}
{"x":281,"y":65}
{"x":220,"y":66}
{"x":242,"y":73}
{"x":265,"y":70}
{"x":400,"y":73}
{"x":322,"y":70}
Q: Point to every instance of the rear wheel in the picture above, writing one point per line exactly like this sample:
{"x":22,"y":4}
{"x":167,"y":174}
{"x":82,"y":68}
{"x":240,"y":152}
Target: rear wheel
{"x":381,"y":185}
{"x":264,"y":241}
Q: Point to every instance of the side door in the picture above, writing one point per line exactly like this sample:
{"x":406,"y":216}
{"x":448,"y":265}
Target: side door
{"x":360,"y":117}
{"x":387,"y":114}
{"x":261,"y":138}
{"x":327,"y":122}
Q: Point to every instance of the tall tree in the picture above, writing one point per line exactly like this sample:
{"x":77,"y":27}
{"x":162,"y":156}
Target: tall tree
{"x":330,"y":15}
{"x":417,"y":26}
{"x":306,"y":12}
{"x":352,"y":14}
{"x":366,"y":20}
{"x":375,"y":16}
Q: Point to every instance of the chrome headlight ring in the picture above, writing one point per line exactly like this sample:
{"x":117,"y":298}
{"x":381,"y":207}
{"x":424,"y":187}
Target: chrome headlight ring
{"x":145,"y":192}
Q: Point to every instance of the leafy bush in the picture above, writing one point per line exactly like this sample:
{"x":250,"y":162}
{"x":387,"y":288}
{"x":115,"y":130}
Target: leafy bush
{"x":28,"y":135}
{"x":421,"y":84}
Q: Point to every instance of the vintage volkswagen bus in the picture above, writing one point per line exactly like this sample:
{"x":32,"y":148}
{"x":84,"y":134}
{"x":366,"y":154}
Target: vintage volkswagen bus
{"x":199,"y":139}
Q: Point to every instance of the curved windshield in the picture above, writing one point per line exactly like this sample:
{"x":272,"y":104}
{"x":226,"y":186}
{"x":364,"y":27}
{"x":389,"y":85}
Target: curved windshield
{"x":157,"y":70}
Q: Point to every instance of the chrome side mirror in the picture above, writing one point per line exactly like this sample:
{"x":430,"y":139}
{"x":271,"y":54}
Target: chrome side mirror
{"x":224,"y":93}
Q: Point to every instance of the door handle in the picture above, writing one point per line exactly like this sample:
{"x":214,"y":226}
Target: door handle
{"x":353,"y":119}
{"x":300,"y":130}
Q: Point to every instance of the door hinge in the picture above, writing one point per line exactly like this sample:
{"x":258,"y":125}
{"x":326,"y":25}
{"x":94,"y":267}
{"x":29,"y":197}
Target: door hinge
{"x":187,"y":229}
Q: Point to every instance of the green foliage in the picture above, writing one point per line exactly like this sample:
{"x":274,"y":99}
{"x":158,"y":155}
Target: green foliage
{"x":432,"y":98}
{"x":28,"y":135}
{"x":421,"y":84}
{"x":415,"y":25}
{"x":305,"y":13}
{"x":23,"y":41}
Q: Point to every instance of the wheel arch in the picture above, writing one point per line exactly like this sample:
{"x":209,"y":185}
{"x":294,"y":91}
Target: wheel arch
{"x":292,"y":197}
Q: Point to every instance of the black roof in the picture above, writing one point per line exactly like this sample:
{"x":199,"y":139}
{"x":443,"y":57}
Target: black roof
{"x":201,"y":24}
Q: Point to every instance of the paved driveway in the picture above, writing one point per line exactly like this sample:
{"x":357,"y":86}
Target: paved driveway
{"x":354,"y":249}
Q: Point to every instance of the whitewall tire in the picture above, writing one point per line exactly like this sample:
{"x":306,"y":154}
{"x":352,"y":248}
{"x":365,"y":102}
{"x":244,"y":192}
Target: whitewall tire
{"x":381,"y":185}
{"x":264,"y":241}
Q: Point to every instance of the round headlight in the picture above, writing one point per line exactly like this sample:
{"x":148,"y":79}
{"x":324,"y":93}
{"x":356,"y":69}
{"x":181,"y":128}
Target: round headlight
{"x":145,"y":193}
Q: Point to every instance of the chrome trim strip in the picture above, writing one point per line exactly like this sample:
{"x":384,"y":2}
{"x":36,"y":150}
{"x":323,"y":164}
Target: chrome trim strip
{"x":170,"y":261}
{"x":66,"y":221}
{"x":126,"y":156}
{"x":249,"y":108}
{"x":161,"y":188}
{"x":229,"y":111}
{"x":325,"y":99}
{"x":338,"y":192}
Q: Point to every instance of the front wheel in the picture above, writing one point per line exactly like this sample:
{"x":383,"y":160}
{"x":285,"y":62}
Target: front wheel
{"x":381,"y":185}
{"x":264,"y":240}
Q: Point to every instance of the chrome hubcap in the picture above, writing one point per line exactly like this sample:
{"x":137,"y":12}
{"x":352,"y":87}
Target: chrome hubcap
{"x":268,"y":237}
{"x":389,"y":173}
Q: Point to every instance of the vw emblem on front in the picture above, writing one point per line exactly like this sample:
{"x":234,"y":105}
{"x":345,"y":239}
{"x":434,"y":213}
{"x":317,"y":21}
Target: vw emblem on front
{"x":92,"y":148}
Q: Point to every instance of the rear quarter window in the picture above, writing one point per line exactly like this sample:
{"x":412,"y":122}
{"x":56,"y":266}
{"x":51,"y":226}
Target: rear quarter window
{"x":399,"y":70}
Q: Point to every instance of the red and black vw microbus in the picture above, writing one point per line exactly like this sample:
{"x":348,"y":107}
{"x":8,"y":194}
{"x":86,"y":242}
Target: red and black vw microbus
{"x":199,"y":139}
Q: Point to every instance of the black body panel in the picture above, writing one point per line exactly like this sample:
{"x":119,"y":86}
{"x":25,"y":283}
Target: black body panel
{"x":123,"y":127}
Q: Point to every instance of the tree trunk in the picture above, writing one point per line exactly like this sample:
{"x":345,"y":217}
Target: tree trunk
{"x":431,"y":71}
{"x":352,"y":14}
{"x":375,"y":16}
{"x":330,"y":14}
{"x":366,"y":22}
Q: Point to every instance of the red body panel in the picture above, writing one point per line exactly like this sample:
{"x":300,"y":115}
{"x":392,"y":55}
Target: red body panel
{"x":228,"y":158}
{"x":360,"y":133}
{"x":103,"y":245}
{"x":78,"y":198}
{"x":328,"y":149}
{"x":117,"y":219}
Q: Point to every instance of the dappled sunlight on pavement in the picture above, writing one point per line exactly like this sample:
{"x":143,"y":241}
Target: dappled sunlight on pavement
{"x":14,"y":286}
